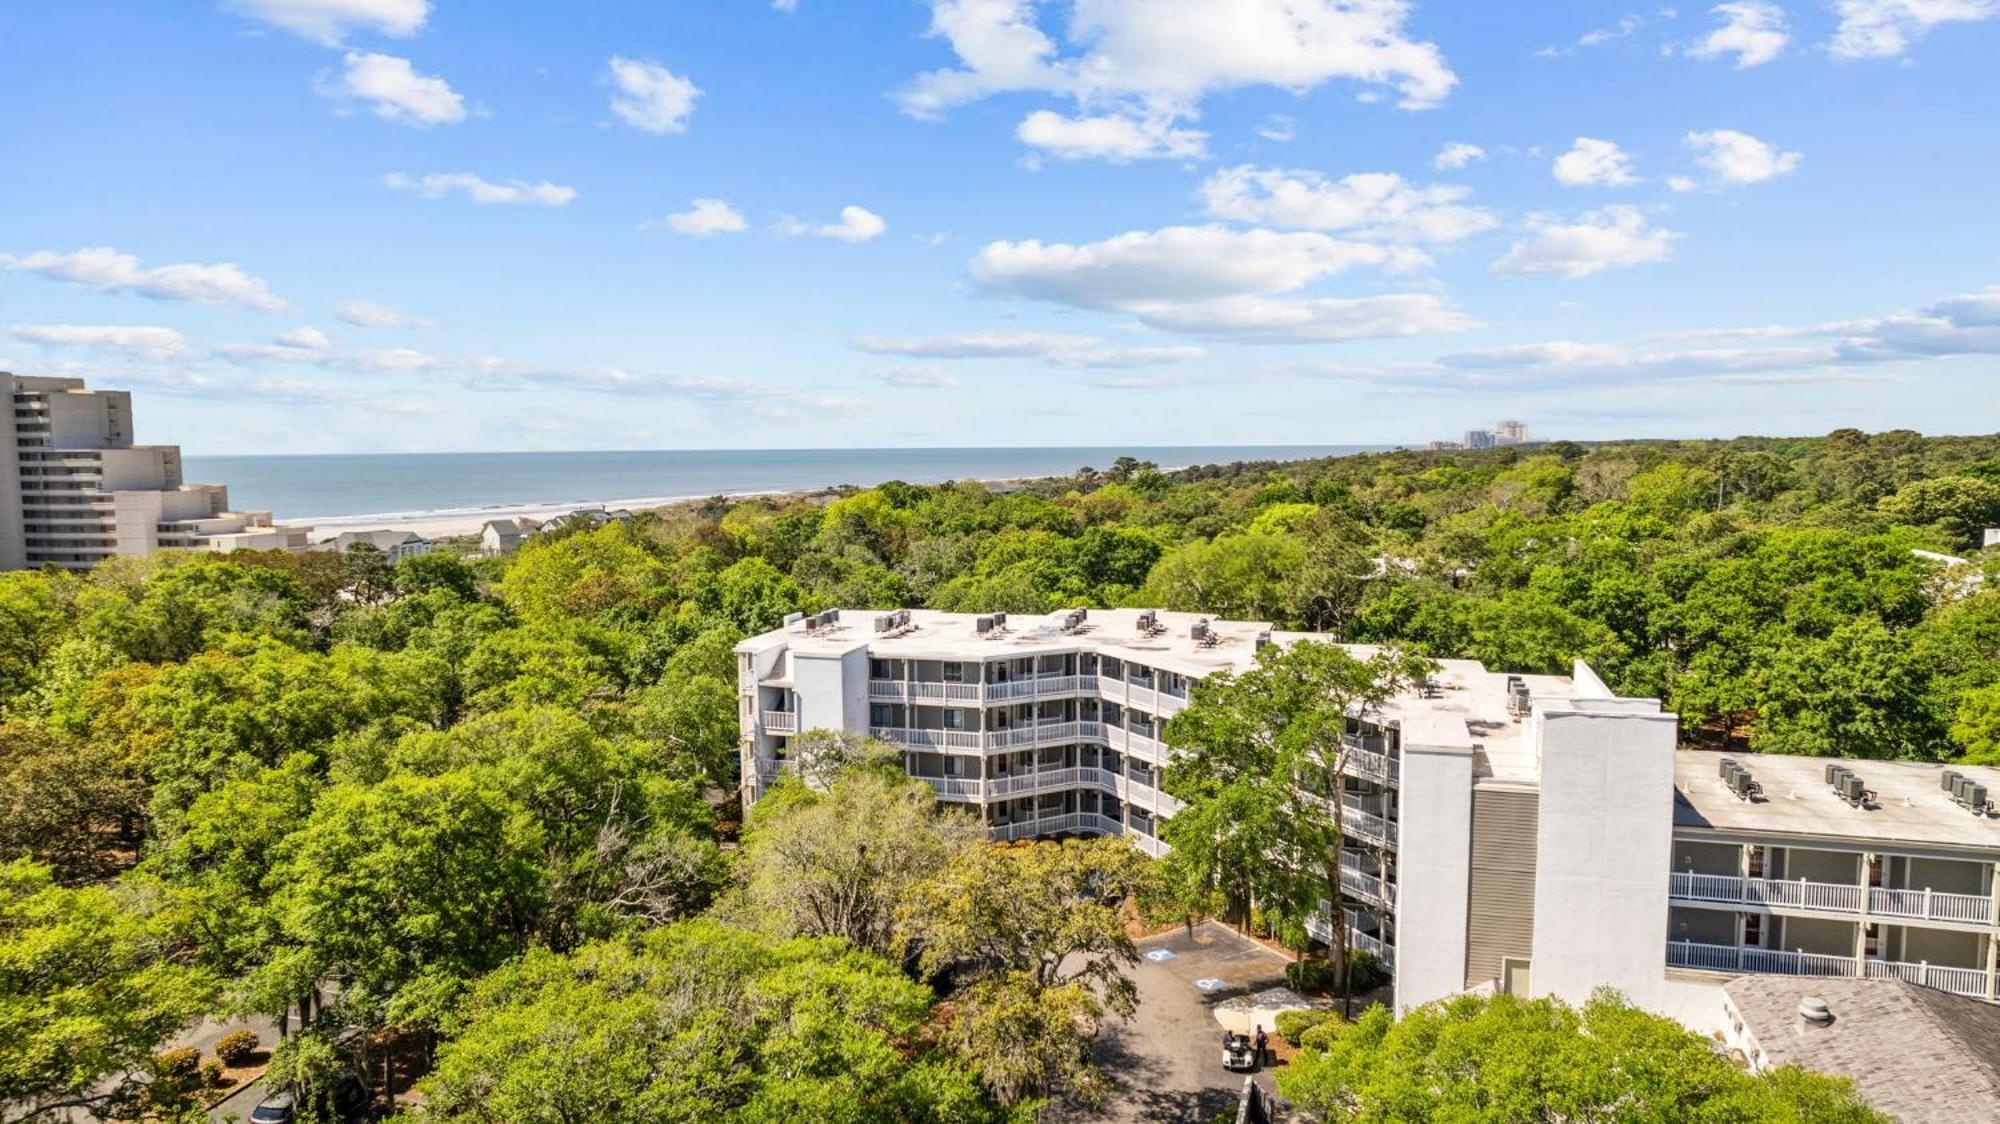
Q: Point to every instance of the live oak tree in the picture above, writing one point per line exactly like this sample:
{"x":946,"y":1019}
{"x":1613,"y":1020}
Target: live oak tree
{"x":700,"y":1021}
{"x":1539,"y":1061}
{"x":90,"y":985}
{"x":1258,"y":760}
{"x":838,"y":862}
{"x":1037,"y":935}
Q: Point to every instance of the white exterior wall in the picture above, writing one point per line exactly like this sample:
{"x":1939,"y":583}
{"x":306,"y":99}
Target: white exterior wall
{"x":1434,"y":851}
{"x":1604,"y":848}
{"x":832,"y":690}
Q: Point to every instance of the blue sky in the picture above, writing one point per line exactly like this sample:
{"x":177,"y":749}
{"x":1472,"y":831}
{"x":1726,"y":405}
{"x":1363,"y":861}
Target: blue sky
{"x":410,"y":225}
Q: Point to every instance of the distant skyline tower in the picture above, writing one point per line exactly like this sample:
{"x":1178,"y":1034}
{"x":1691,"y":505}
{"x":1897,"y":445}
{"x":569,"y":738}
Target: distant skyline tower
{"x":1510,"y":432}
{"x":1479,"y":439}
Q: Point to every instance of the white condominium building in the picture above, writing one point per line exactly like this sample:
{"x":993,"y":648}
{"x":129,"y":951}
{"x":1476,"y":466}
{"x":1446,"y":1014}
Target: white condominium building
{"x":75,"y":490}
{"x":1537,"y":834}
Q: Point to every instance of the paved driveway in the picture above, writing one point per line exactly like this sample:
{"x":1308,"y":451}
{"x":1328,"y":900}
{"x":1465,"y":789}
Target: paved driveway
{"x":1166,"y":1063}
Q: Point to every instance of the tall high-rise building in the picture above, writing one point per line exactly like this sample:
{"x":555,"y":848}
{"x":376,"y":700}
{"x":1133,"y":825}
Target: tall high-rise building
{"x":1479,"y":439}
{"x":75,"y":489}
{"x":1509,"y":432}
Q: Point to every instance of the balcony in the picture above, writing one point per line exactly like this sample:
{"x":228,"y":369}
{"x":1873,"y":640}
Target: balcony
{"x":1728,"y":958}
{"x":1150,"y":798}
{"x":1319,"y":929}
{"x":1086,"y":823}
{"x":929,"y":739}
{"x":1366,"y":758}
{"x":1830,"y":897}
{"x":781,"y":722}
{"x":1367,"y":887}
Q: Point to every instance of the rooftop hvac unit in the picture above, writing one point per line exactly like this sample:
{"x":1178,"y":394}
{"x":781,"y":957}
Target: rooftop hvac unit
{"x":1263,"y":640}
{"x":999,"y":620}
{"x":1741,"y":784}
{"x":885,"y":622}
{"x":812,"y":624}
{"x":982,"y":625}
{"x":902,"y":618}
{"x":1198,"y":630}
{"x":1852,"y":788}
{"x":1722,"y":769}
{"x":1975,"y":797}
{"x":829,"y":617}
{"x":1833,"y":772}
{"x":1147,"y":620}
{"x":793,"y":618}
{"x":1082,"y":615}
{"x":1949,"y":782}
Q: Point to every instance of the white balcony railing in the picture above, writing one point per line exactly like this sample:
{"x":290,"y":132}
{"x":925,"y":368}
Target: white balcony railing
{"x":1728,"y":958}
{"x":781,"y":722}
{"x":1367,"y":887}
{"x":1318,"y":928}
{"x":1830,"y":897}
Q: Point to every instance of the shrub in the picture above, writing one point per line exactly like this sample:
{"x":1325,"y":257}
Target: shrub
{"x":1321,"y":1034}
{"x":211,"y":1072}
{"x":237,"y":1047}
{"x":1308,"y":975}
{"x":1364,"y":972}
{"x":179,"y":1064}
{"x":1292,"y":1024}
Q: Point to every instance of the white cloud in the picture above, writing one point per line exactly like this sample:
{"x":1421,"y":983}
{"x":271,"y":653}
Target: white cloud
{"x":1752,"y":30}
{"x":1278,"y":127}
{"x":140,"y":342}
{"x":108,"y":271}
{"x":1126,"y":358}
{"x":1626,"y":26}
{"x":857,"y":224}
{"x":1113,"y":137}
{"x":370,"y":314}
{"x":1879,"y":29}
{"x":1611,"y":238}
{"x":974,"y":345}
{"x":1256,"y":319}
{"x":650,"y":97}
{"x":306,"y":338}
{"x":704,"y":218}
{"x":1174,"y":263}
{"x":785,"y":5}
{"x":436,"y":185}
{"x":327,"y":22}
{"x":1457,"y":155}
{"x":1372,"y":205}
{"x":1148,"y":59}
{"x":1682,"y":183}
{"x":396,"y":92}
{"x":1732,"y":157}
{"x":928,"y":376}
{"x":1964,"y":325}
{"x":1590,"y":161}
{"x":1211,"y":280}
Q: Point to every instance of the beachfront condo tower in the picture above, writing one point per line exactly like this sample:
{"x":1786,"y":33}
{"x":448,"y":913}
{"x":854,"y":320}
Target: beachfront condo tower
{"x":75,"y":489}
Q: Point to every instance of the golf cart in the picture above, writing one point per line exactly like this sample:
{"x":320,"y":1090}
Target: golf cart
{"x":1237,"y":1052}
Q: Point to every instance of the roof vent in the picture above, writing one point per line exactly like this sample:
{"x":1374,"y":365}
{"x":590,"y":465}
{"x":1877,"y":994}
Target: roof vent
{"x":793,"y":618}
{"x":1813,"y":1011}
{"x":982,"y":625}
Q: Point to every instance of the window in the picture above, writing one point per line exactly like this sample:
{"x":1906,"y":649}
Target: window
{"x":954,"y":673}
{"x":879,"y":669}
{"x":1753,"y":931}
{"x":954,"y":718}
{"x":880,"y":714}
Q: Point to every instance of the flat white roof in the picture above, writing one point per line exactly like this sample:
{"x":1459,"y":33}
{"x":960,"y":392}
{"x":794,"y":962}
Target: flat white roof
{"x":1911,"y":805}
{"x":1468,"y":712}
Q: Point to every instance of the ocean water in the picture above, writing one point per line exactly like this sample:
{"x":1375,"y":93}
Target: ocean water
{"x":409,"y":484}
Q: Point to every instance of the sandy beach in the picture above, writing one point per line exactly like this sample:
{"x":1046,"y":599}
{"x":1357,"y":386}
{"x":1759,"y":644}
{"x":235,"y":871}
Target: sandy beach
{"x":468,"y":521}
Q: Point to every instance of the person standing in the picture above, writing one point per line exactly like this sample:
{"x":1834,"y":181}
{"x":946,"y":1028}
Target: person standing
{"x":1263,"y":1046}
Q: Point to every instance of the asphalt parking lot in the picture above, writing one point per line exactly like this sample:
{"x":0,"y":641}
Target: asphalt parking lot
{"x":1166,"y":1063}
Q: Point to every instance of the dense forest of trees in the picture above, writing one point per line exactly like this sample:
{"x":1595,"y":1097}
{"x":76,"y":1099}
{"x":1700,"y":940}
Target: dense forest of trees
{"x":439,"y":808}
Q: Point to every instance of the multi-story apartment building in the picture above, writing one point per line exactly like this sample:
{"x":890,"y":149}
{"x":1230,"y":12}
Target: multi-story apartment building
{"x":1534,"y":833}
{"x":75,"y":489}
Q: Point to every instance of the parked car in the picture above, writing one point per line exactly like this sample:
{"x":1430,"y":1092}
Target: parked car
{"x":278,"y":1108}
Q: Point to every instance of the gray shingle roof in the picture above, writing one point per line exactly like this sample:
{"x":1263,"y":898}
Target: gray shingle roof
{"x":1916,"y":1053}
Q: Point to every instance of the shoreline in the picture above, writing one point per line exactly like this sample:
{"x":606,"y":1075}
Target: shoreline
{"x":451,"y":522}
